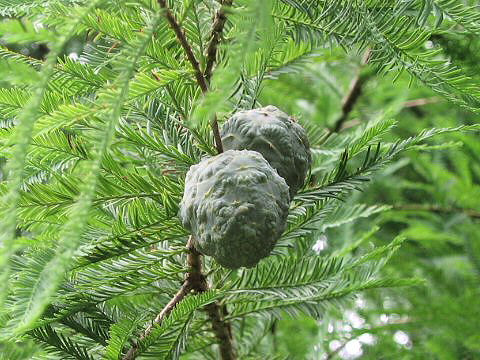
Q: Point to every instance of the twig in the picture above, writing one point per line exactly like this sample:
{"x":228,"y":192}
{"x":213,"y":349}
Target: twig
{"x":217,"y":29}
{"x":221,"y":328}
{"x":437,"y":209}
{"x":194,"y":280}
{"x":332,"y":354}
{"x":374,"y":330}
{"x":222,"y":331}
{"x":201,"y":81}
{"x":353,"y":94}
{"x":216,"y":134}
{"x":421,"y":102}
{"x":185,"y":45}
{"x":194,"y":274}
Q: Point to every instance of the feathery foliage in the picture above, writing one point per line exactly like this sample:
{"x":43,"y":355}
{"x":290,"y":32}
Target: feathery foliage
{"x":97,"y":144}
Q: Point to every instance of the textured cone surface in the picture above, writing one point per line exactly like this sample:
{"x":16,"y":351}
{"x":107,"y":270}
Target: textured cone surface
{"x":236,"y":205}
{"x":271,"y":132}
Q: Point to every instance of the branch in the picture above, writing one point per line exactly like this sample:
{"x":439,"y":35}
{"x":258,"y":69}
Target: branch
{"x":184,"y":290}
{"x":353,"y":95}
{"x":217,"y":29}
{"x":202,"y":82}
{"x":221,"y":328}
{"x":185,"y":44}
{"x":194,"y":275}
{"x":216,"y":134}
{"x":437,"y":209}
{"x":194,"y":281}
{"x":421,"y":102}
{"x":222,"y":331}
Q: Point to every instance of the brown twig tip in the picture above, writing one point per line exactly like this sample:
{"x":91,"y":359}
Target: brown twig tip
{"x":216,"y":135}
{"x":421,"y":102}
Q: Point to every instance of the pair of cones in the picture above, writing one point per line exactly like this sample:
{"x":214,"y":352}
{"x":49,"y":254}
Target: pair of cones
{"x":236,"y":203}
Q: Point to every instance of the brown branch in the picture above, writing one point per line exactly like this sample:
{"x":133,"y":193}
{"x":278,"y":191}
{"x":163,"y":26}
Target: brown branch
{"x":194,"y":275}
{"x":195,"y":282}
{"x":353,"y":95}
{"x":184,"y":290}
{"x":216,"y":134}
{"x":201,"y":81}
{"x":437,"y":209}
{"x":221,"y":328}
{"x":217,"y":29}
{"x":175,"y":26}
{"x":222,"y":331}
{"x":421,"y":102}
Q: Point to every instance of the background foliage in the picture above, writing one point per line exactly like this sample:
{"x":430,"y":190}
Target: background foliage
{"x":99,"y":132}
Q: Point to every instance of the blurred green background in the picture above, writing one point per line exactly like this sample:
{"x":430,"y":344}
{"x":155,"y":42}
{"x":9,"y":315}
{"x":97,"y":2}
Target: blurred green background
{"x":435,"y":197}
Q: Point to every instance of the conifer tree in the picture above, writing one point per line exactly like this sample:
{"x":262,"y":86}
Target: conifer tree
{"x":94,"y":262}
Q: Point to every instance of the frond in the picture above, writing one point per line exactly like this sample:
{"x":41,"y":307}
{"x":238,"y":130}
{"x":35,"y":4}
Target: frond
{"x":23,"y":133}
{"x":466,"y":16}
{"x":310,"y":284}
{"x":168,"y":339}
{"x":396,"y":43}
{"x":341,"y":181}
{"x":345,"y":214}
{"x":70,"y":236}
{"x":19,"y":350}
{"x":120,"y":333}
{"x":98,"y":145}
{"x":60,"y":344}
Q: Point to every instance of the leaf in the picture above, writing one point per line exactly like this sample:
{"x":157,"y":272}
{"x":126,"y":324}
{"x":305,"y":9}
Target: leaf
{"x":49,"y":280}
{"x":119,"y":336}
{"x":23,"y":132}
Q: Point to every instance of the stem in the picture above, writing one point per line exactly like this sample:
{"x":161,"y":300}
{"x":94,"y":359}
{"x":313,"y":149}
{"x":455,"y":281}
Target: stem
{"x":194,"y":275}
{"x":353,"y":95}
{"x":217,"y":29}
{"x":184,"y":290}
{"x":222,"y":331}
{"x":201,"y":80}
{"x":421,"y":102}
{"x":175,"y":26}
{"x":194,"y":282}
{"x":216,"y":134}
{"x":437,"y":209}
{"x":221,"y":328}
